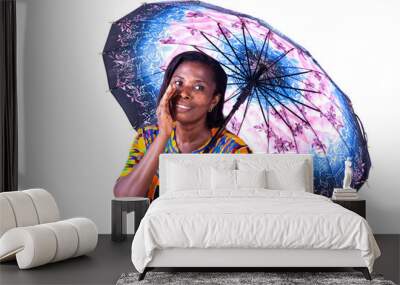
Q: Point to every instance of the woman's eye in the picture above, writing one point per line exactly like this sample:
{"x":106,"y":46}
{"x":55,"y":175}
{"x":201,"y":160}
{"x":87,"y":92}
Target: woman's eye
{"x":178,"y":83}
{"x":199,"y":87}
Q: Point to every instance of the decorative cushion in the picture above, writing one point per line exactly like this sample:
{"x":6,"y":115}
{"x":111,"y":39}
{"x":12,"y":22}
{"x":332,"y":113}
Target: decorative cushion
{"x":187,"y":175}
{"x":282,"y":174}
{"x":251,"y":178}
{"x":288,"y":178}
{"x":183,"y":177}
{"x":223,"y":179}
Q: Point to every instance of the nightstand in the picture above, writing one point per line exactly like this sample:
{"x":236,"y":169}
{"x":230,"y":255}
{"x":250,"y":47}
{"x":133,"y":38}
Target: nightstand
{"x":119,"y":208}
{"x":357,"y":206}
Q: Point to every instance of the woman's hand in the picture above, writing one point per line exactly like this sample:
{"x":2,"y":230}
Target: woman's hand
{"x":164,"y":117}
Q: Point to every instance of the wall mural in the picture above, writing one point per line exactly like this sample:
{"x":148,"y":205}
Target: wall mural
{"x":278,"y":100}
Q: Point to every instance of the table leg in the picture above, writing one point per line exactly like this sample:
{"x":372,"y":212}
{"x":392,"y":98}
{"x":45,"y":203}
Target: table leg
{"x":118,"y":221}
{"x":140,"y":211}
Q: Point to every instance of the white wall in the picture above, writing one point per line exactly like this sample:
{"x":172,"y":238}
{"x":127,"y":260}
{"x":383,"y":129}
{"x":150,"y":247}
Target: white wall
{"x":74,"y":137}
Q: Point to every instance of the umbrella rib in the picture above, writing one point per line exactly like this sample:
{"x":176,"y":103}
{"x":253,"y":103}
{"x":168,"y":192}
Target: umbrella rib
{"x":261,"y":52}
{"x":276,"y":111}
{"x":319,"y":110}
{"x":204,"y":34}
{"x":246,"y":49}
{"x":245,"y":112}
{"x":266,"y":90}
{"x":221,"y":62}
{"x":322,"y":93}
{"x":266,"y":50}
{"x":291,"y":127}
{"x":292,"y":88}
{"x":237,"y":57}
{"x":265,"y":120}
{"x":238,"y":78}
{"x":280,"y":58}
{"x":222,"y":54}
{"x":289,"y":74}
{"x":316,"y":71}
{"x":301,"y":94}
{"x":235,"y":93}
{"x":319,"y":141}
{"x":226,"y":28}
{"x":316,"y":136}
{"x":293,"y":134}
{"x":294,"y":100}
{"x":251,"y":37}
{"x":203,"y":47}
{"x":341,"y":137}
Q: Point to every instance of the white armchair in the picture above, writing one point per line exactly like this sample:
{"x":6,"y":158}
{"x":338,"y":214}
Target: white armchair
{"x":31,"y":230}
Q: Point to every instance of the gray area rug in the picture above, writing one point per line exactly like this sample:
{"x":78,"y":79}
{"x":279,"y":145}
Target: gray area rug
{"x":231,"y":278}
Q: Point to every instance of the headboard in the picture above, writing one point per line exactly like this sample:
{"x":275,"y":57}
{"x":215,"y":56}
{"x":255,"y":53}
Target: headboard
{"x":209,"y":159}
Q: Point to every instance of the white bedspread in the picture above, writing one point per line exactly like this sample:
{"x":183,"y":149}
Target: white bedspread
{"x":253,"y":218}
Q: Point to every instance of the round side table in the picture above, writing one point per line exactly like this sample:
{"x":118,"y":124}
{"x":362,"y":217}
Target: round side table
{"x":119,"y":209}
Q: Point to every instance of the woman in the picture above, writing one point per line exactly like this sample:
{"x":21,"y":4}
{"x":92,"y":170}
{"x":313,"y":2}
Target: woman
{"x":189,"y":113}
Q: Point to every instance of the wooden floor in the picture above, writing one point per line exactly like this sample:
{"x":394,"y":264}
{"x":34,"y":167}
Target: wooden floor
{"x":111,"y":259}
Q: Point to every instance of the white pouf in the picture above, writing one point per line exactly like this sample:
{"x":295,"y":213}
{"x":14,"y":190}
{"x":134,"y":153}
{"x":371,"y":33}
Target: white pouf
{"x":32,"y":233}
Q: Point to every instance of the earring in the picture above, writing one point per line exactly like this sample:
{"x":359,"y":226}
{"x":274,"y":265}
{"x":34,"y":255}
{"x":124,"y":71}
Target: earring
{"x":210,"y":110}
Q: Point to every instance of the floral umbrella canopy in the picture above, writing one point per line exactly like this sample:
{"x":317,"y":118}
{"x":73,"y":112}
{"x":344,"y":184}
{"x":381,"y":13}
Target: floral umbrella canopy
{"x":279,"y":100}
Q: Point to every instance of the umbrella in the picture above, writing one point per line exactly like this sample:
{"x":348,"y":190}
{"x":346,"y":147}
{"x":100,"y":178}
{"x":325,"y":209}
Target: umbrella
{"x":279,"y":99}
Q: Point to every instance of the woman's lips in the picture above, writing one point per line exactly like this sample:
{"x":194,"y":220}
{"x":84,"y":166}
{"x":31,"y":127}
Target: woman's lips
{"x":183,"y":108}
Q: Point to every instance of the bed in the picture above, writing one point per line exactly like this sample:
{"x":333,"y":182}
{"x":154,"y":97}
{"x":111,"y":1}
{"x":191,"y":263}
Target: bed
{"x":247,"y":210}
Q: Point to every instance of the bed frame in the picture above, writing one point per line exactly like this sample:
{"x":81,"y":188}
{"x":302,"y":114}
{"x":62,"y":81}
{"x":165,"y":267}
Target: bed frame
{"x":246,"y":258}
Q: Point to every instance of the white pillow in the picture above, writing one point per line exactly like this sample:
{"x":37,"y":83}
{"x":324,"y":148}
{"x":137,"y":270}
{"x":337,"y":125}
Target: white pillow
{"x":251,"y":178}
{"x":184,"y":174}
{"x":293,"y":178}
{"x":281,"y":174}
{"x":182,"y":177}
{"x":236,"y":179}
{"x":223,"y":179}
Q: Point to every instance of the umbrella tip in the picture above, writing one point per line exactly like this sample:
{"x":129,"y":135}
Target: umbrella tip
{"x":144,"y":3}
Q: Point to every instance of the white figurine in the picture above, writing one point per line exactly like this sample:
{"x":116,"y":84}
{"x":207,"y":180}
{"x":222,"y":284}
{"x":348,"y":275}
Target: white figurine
{"x":348,"y":173}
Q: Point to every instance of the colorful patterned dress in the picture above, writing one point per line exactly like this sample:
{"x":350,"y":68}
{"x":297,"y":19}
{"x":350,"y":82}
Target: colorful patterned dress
{"x":226,"y":143}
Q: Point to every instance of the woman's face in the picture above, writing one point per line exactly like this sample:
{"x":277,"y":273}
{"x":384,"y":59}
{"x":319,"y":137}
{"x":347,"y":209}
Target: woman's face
{"x":196,"y":87}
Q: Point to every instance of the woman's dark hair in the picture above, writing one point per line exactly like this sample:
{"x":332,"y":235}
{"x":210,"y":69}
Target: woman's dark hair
{"x":215,"y":118}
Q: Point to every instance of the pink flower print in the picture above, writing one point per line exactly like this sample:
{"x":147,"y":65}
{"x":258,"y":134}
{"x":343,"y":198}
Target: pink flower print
{"x":298,"y":129}
{"x":309,"y":85}
{"x":331,"y":117}
{"x":223,"y":31}
{"x":318,"y":145}
{"x":125,"y":25}
{"x":194,"y":14}
{"x":237,"y":24}
{"x":282,"y":145}
{"x":235,"y":125}
{"x":317,"y":75}
{"x":307,"y":95}
{"x":280,"y":46}
{"x":263,"y":128}
{"x":193,"y":30}
{"x":244,"y":21}
{"x":169,"y":40}
{"x":322,"y":86}
{"x":301,"y":53}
